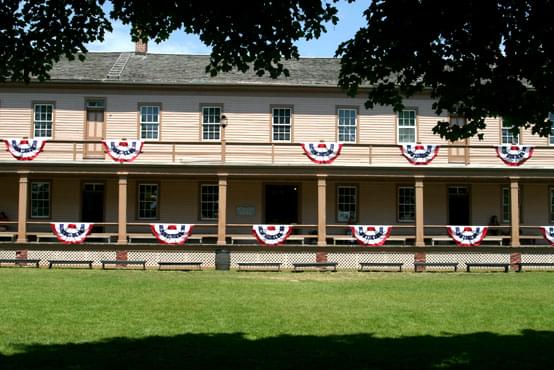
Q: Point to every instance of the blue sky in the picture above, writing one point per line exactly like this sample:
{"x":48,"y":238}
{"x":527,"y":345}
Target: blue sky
{"x":351,"y":19}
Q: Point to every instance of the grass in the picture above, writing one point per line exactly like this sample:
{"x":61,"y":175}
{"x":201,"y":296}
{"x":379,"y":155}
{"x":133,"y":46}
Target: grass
{"x":81,"y":319}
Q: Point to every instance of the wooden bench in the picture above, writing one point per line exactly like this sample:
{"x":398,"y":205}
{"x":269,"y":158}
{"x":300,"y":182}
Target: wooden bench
{"x":19,"y":262}
{"x":380,"y":264}
{"x":237,"y":238}
{"x":122,"y":262}
{"x":349,"y":238}
{"x":152,"y":239}
{"x":9,"y":235}
{"x":69,"y":262}
{"x":533,"y":264}
{"x":302,"y":266}
{"x":436,"y":264}
{"x":259,"y":266}
{"x":532,"y":239}
{"x":488,"y":238}
{"x":505,"y":266}
{"x":198,"y":265}
{"x":40,"y":236}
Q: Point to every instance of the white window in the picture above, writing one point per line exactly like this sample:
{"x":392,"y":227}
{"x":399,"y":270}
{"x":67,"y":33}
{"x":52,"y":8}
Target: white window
{"x":347,"y":125}
{"x":406,"y":204}
{"x":551,"y":137}
{"x":508,"y":136}
{"x":347,"y":199}
{"x":281,"y":127}
{"x":40,"y":199}
{"x":210,"y":123}
{"x":148,"y":200}
{"x":43,"y":118}
{"x":407,"y":127}
{"x":209,"y":201}
{"x":457,"y":121}
{"x":150,"y":122}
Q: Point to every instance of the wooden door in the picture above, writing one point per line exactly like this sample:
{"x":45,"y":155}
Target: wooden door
{"x":457,"y":154}
{"x":94,"y":130}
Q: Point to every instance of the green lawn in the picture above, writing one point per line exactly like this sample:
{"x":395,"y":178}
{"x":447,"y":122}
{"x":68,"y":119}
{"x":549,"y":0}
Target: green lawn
{"x":89,"y":319}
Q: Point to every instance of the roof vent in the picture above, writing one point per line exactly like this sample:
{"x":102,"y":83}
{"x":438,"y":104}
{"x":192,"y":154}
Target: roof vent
{"x":118,"y":66}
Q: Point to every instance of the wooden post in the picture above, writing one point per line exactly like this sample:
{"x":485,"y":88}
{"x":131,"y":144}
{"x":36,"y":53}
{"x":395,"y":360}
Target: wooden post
{"x":514,"y":210}
{"x":321,"y":210}
{"x":419,"y":214}
{"x":122,"y":210}
{"x":222,"y":211}
{"x":22,"y":208}
{"x":223,"y":144}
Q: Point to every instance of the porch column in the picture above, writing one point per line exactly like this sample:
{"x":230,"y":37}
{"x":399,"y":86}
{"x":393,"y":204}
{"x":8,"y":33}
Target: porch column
{"x":321,"y":210}
{"x":22,"y":208}
{"x":122,"y":210}
{"x":222,"y":211}
{"x":419,"y":222}
{"x":514,"y":210}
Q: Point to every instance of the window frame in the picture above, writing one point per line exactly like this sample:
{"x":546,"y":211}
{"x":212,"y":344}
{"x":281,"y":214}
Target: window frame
{"x":356,"y":202}
{"x":551,"y":136}
{"x":219,"y":132}
{"x":415,"y":127}
{"x":356,"y":123}
{"x":398,"y":188}
{"x":40,"y":181}
{"x":290,"y":125}
{"x":138,"y":187}
{"x":200,"y":201}
{"x":140,"y":123}
{"x":518,"y":141}
{"x":503,"y":220}
{"x":34,"y":104}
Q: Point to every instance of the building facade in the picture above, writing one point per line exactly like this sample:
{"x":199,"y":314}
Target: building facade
{"x":225,"y":153}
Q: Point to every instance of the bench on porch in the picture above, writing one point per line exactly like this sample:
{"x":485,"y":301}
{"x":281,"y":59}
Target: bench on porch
{"x":435,"y":264}
{"x":133,"y":237}
{"x":520,"y":265}
{"x":122,"y":263}
{"x":531,"y":239}
{"x":19,"y":262}
{"x":198,"y":265}
{"x":349,"y":238}
{"x":251,"y":239}
{"x":469,"y":265}
{"x":259,"y":266}
{"x":8,"y":235}
{"x":380,"y":264}
{"x":41,"y":236}
{"x":489,"y":238}
{"x":69,"y":262}
{"x":304,"y":265}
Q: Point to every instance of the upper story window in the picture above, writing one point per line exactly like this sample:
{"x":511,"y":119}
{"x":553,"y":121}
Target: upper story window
{"x":347,"y":125}
{"x":150,"y":122}
{"x":281,"y":124}
{"x":508,"y":136}
{"x":407,"y":127}
{"x":43,"y":120}
{"x":148,"y":195}
{"x":40,"y":199}
{"x":211,"y":123}
{"x":457,"y":121}
{"x":551,"y":137}
{"x":95,"y":104}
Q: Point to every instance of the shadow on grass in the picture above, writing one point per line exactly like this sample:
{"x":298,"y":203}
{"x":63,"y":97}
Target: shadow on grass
{"x":528,"y":350}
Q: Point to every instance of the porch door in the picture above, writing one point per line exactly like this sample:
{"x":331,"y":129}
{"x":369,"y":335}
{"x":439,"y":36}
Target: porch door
{"x":458,"y":154}
{"x":94,"y":130}
{"x":92,"y":206}
{"x":281,"y":204}
{"x":458,"y":205}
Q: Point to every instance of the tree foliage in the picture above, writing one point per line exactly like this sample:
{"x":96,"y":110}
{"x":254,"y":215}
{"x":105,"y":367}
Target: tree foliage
{"x":476,"y":58}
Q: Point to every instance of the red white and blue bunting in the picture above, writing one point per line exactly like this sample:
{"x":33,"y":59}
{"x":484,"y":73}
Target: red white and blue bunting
{"x":24,"y":149}
{"x":71,"y":233}
{"x":371,"y":235}
{"x":514,"y":155}
{"x":172,"y":233}
{"x":467,"y":236}
{"x":322,"y":153}
{"x":548,"y":233}
{"x":419,"y":154}
{"x":271,"y":234}
{"x":123,"y":150}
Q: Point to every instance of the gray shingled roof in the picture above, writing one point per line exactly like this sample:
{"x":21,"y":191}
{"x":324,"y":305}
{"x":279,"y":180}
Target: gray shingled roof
{"x":170,"y":69}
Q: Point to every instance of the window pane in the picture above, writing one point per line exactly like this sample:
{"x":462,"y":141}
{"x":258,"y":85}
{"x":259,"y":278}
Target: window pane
{"x":149,"y":122}
{"x":406,"y":204}
{"x":347,"y":203}
{"x":506,"y":206}
{"x":347,"y":125}
{"x":507,"y":136}
{"x":40,"y":199}
{"x":209,"y":201}
{"x":281,"y":124}
{"x":407,"y":126}
{"x":148,"y":195}
{"x":210,"y":123}
{"x":43,"y":120}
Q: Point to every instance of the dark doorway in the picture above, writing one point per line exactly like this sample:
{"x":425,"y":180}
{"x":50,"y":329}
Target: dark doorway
{"x":93,"y":204}
{"x":458,"y":205}
{"x":281,"y":204}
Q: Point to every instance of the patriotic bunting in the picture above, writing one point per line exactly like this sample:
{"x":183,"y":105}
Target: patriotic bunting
{"x":123,"y":150}
{"x":271,"y":234}
{"x":514,"y":155}
{"x":419,"y":154}
{"x":24,"y":149}
{"x":548,"y":233}
{"x":371,"y":235}
{"x":172,"y":233}
{"x":467,"y":236}
{"x":71,"y":233}
{"x":322,"y":153}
